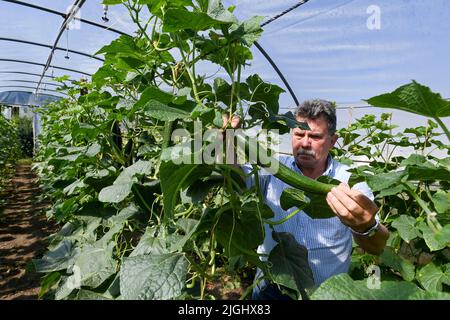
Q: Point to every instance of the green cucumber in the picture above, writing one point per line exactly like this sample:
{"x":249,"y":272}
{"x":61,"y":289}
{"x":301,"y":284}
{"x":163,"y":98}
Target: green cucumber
{"x":167,"y":133}
{"x":284,"y":173}
{"x":300,"y":181}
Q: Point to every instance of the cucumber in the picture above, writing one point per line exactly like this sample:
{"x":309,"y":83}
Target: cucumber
{"x":167,"y":133}
{"x":284,"y":173}
{"x":300,"y":181}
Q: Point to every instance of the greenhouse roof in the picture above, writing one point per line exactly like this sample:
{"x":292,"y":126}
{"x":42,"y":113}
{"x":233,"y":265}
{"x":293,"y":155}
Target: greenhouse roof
{"x":343,"y":50}
{"x":24,"y":98}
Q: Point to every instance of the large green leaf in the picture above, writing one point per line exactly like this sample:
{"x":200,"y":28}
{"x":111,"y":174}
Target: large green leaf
{"x":180,"y":19}
{"x":95,"y":265}
{"x":265,"y":93}
{"x":287,"y":120}
{"x":121,"y":187}
{"x":248,"y":31}
{"x":384,"y":181}
{"x":406,"y":227}
{"x":219,"y":13}
{"x":162,"y":105}
{"x":115,"y":193}
{"x":416,"y":160}
{"x":65,"y":287}
{"x":431,"y":277}
{"x":71,"y":188}
{"x":239,"y":232}
{"x":430,"y":295}
{"x":257,"y":208}
{"x":140,"y":167}
{"x":415,"y":98}
{"x":391,"y":259}
{"x":443,"y":235}
{"x":222,"y":91}
{"x":154,"y":6}
{"x":91,"y":295}
{"x":166,"y":112}
{"x":152,"y":242}
{"x":58,"y":259}
{"x":441,"y":201}
{"x":153,"y":93}
{"x":98,"y":179}
{"x":123,"y":45}
{"x":158,"y":240}
{"x":427,"y":174}
{"x":343,"y":287}
{"x":123,"y":215}
{"x":105,"y":74}
{"x":391,"y":191}
{"x":153,"y":277}
{"x":175,"y":177}
{"x":432,"y":239}
{"x":292,"y":197}
{"x":290,"y":266}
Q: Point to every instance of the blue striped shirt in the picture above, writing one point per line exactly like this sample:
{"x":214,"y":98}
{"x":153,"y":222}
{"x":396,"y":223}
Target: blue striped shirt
{"x":329,"y":242}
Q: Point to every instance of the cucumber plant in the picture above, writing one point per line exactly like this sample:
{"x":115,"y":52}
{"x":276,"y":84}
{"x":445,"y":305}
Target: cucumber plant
{"x":136,"y":223}
{"x":9,"y":153}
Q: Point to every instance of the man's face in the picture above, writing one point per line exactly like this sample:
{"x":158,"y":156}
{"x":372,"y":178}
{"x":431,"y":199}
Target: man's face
{"x":310,"y":148}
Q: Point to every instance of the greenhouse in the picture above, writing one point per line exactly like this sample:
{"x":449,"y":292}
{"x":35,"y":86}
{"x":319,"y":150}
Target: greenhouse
{"x":224,"y":150}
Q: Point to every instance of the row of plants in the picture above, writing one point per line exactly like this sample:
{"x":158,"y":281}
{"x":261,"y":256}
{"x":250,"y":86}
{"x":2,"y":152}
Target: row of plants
{"x":24,"y":127}
{"x":136,"y":224}
{"x":9,"y":154}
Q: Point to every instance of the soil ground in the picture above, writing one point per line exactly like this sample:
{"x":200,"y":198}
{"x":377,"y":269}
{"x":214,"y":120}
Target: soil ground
{"x":23,"y":233}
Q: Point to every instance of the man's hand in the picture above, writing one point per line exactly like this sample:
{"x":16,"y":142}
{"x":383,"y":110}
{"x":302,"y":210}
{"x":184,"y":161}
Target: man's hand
{"x":358,"y":212}
{"x":231,"y":156}
{"x":235,"y":121}
{"x":352,"y":207}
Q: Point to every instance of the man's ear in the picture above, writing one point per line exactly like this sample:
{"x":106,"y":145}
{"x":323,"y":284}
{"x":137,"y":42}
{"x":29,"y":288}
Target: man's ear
{"x":334,"y":138}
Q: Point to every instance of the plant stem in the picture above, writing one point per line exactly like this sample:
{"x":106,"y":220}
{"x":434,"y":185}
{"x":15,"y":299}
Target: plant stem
{"x":274,"y":223}
{"x":447,"y":133}
{"x":191,"y":76}
{"x":433,"y":223}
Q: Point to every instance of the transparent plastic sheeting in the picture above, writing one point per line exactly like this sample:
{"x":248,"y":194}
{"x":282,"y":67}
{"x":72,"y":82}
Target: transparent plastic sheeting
{"x":340,"y":50}
{"x":21,"y":98}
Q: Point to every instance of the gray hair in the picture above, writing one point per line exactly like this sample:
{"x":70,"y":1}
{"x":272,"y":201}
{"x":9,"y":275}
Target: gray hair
{"x":313,"y":109}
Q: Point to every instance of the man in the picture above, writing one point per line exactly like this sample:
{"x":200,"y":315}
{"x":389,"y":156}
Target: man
{"x":329,"y":241}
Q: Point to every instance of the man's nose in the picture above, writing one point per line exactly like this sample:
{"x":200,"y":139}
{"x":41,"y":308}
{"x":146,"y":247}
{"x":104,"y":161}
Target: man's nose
{"x":306,"y":141}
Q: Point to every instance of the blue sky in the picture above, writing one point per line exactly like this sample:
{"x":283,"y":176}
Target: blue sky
{"x":324,"y":48}
{"x":333,"y":55}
